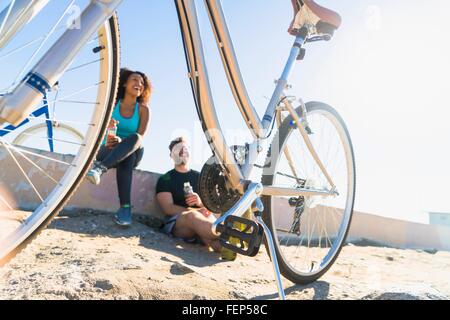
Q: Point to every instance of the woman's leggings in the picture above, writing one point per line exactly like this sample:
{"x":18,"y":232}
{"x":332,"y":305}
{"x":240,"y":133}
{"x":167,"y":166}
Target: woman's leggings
{"x":124,"y":157}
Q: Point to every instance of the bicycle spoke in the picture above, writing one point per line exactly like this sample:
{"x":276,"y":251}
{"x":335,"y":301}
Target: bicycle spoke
{"x":83,"y":65}
{"x":41,"y":156}
{"x":23,"y":172}
{"x":26,"y":45}
{"x":35,"y":165}
{"x":74,"y":93}
{"x":6,"y":203}
{"x":31,"y":118}
{"x":47,"y":36}
{"x":77,"y":102}
{"x":7,"y":15}
{"x":295,"y":254}
{"x":20,"y":48}
{"x":324,"y":227}
{"x":334,"y":218}
{"x":48,"y":138}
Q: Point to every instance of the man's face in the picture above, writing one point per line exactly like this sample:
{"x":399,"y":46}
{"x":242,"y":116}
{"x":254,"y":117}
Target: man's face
{"x":180,"y":153}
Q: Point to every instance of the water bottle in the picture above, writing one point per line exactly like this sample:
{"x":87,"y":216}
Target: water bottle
{"x":188,"y":190}
{"x":111,"y":132}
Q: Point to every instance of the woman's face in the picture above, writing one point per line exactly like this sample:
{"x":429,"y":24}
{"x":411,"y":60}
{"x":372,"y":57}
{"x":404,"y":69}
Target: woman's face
{"x":134,"y":85}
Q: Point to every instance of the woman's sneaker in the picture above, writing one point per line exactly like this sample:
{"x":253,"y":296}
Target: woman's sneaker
{"x":123,"y":217}
{"x":95,"y":173}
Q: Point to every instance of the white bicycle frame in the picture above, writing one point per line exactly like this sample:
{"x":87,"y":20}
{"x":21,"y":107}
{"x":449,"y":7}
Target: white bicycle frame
{"x":17,"y":104}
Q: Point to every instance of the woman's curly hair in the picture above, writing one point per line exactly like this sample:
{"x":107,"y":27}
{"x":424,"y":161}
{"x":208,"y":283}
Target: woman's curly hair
{"x":125,"y":73}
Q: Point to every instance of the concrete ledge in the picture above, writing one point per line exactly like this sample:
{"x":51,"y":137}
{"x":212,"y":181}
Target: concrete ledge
{"x":103,"y":197}
{"x":365,"y":228}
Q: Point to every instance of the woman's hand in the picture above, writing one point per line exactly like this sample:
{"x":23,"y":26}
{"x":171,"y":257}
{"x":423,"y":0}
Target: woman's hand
{"x":194,"y":200}
{"x":113,"y":123}
{"x":112,"y":141}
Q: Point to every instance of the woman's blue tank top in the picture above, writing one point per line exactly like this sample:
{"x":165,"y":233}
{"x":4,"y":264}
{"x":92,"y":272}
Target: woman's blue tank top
{"x":126,"y":126}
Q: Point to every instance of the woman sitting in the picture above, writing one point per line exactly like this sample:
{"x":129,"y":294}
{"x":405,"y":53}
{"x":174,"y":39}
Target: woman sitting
{"x":122,"y":147}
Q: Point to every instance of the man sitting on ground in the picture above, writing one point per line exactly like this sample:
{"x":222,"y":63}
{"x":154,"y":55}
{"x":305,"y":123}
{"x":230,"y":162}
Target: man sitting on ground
{"x":186,"y":216}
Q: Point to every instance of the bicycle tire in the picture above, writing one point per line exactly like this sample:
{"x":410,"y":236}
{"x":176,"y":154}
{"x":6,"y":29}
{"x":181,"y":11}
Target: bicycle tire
{"x":112,"y":26}
{"x":268,"y":177}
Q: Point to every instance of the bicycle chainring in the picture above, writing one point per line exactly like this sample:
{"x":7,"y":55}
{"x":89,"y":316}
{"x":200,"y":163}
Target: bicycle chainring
{"x":215,"y":195}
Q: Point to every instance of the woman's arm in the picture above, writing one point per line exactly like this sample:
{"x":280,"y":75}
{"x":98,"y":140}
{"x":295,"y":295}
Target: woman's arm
{"x":165,"y":201}
{"x":144,"y":114}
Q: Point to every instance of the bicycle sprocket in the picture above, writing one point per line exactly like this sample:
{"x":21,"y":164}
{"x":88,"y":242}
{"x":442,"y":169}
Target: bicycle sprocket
{"x":215,"y":195}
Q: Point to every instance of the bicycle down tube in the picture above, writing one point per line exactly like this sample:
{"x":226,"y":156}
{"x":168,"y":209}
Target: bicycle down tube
{"x":17,"y":105}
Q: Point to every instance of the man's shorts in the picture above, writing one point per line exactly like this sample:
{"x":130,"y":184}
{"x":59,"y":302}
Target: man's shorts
{"x":169,"y":224}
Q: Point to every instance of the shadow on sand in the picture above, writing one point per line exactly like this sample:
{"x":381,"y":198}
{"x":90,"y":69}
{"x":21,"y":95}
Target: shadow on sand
{"x":94,"y":224}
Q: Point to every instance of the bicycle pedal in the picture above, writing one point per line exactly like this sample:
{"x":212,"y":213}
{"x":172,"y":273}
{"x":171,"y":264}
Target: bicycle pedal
{"x":241,"y":235}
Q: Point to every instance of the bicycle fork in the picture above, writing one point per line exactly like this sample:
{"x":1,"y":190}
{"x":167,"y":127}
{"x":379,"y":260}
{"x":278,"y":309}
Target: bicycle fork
{"x":17,"y":105}
{"x":251,"y":199}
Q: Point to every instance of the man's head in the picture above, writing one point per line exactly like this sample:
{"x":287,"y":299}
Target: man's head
{"x":179,"y":151}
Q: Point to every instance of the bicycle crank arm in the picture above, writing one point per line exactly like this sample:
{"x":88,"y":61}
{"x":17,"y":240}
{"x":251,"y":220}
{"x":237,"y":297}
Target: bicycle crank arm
{"x":252,"y":193}
{"x":17,"y":105}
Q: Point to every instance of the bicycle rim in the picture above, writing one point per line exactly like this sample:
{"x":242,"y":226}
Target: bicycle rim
{"x":39,"y":183}
{"x":309,"y":232}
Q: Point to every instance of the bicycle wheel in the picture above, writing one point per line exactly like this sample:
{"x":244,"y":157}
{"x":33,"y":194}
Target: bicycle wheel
{"x":309,"y":231}
{"x":60,"y":131}
{"x":39,"y":183}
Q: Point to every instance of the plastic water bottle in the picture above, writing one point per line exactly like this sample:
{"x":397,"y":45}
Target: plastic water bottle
{"x":111,"y":132}
{"x":187,"y":188}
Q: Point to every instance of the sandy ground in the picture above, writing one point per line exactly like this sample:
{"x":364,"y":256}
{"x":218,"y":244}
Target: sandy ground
{"x":85,"y":256}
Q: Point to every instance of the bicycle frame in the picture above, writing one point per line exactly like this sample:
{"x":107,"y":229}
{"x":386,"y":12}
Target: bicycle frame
{"x":16,"y":106}
{"x":41,"y":111}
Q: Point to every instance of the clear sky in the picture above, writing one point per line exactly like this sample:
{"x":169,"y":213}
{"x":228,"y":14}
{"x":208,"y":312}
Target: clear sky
{"x":386,"y":71}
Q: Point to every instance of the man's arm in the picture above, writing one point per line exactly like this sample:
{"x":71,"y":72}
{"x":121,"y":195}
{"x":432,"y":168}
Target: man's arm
{"x":165,"y":201}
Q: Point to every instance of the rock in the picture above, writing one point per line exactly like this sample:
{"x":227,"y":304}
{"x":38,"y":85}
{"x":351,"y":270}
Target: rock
{"x":131,"y":267}
{"x":103,"y":284}
{"x":236,"y":294}
{"x":40,"y":255}
{"x":390,"y":258}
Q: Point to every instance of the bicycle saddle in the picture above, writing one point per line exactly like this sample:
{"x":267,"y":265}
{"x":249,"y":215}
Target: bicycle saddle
{"x":308,"y":13}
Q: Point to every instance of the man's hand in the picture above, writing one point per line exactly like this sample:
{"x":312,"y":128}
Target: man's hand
{"x":194,"y":200}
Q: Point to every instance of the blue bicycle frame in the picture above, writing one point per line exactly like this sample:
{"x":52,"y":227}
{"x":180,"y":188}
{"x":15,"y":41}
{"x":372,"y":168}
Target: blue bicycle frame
{"x":41,"y":111}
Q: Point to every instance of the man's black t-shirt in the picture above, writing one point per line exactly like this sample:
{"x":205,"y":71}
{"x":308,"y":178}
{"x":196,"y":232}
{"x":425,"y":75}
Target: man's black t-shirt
{"x":173,"y":182}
